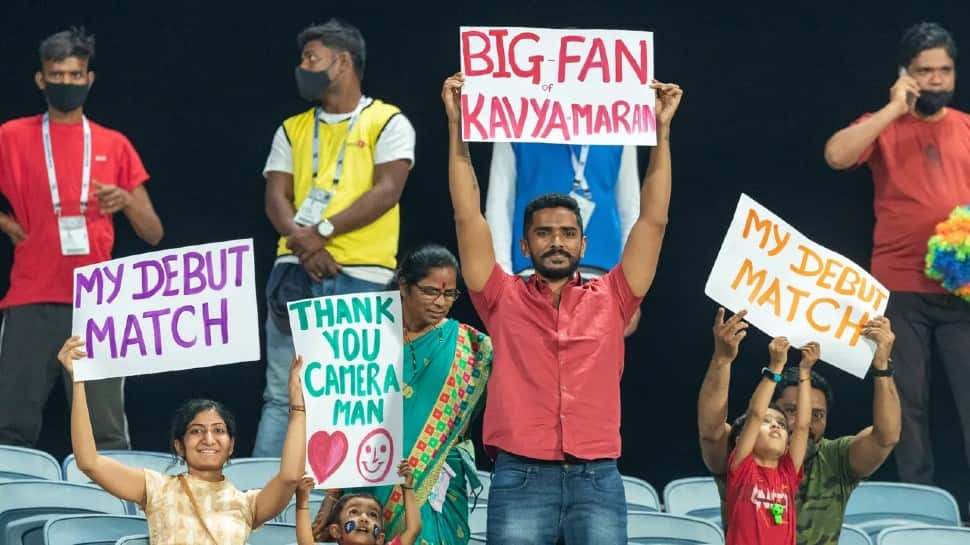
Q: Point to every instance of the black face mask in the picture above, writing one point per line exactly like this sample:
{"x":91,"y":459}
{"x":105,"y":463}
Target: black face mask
{"x":930,"y":102}
{"x":66,"y":97}
{"x":312,"y":85}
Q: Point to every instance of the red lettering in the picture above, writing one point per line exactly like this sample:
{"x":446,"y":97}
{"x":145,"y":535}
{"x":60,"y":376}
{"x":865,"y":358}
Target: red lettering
{"x":497,"y":119}
{"x":468,"y":56}
{"x":639,"y":68}
{"x":619,"y":118}
{"x":650,"y":124}
{"x":540,"y":114}
{"x":565,"y":59}
{"x":597,"y":50}
{"x":499,"y":34}
{"x":582,"y":111}
{"x":470,"y":117}
{"x":535,"y":70}
{"x":557,"y":121}
{"x":603,"y":124}
{"x":517,"y":123}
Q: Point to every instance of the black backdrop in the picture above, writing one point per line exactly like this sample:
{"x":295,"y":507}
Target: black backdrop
{"x":200,"y":87}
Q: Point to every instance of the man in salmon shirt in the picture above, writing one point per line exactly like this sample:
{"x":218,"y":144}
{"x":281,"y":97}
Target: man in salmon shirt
{"x":918,"y":150}
{"x":65,"y":177}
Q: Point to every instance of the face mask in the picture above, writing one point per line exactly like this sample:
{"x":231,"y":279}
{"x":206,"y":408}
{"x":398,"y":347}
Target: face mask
{"x":66,"y":97}
{"x":930,"y":102}
{"x":312,"y":85}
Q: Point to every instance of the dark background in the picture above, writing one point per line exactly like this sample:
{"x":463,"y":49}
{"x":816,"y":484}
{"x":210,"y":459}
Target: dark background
{"x":199,"y":88}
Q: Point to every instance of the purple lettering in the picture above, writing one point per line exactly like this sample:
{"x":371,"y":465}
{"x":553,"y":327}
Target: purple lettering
{"x":222,"y":322}
{"x":213,"y":271}
{"x":191,"y":273}
{"x":88,"y":284}
{"x":154,"y":315}
{"x":92,"y":333}
{"x":115,"y":280}
{"x":132,"y":336}
{"x":147,"y":292}
{"x":175,"y":326}
{"x":239,"y":251}
{"x":170,"y":275}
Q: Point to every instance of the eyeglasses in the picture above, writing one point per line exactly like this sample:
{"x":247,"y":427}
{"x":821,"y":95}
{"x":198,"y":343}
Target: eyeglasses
{"x":431,"y":293}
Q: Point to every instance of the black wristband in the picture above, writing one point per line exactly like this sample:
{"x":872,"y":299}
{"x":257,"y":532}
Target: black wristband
{"x":768,"y":373}
{"x":887,"y":372}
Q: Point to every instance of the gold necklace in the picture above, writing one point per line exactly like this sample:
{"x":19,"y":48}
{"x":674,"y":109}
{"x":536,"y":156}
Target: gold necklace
{"x":407,"y":391}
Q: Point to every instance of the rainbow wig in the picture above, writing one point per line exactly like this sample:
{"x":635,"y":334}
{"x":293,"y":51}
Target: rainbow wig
{"x":948,"y":253}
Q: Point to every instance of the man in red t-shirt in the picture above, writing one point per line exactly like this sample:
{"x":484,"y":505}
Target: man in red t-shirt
{"x":919,"y":153}
{"x":65,"y":177}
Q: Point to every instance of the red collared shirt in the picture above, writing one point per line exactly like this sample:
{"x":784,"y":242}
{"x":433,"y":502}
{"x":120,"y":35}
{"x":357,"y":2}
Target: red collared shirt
{"x":555,"y":384}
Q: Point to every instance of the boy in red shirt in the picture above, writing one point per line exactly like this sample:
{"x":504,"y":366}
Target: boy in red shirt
{"x":65,"y":178}
{"x":765,"y":470}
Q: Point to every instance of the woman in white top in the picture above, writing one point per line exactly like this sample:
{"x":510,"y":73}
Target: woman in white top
{"x":200,"y":506}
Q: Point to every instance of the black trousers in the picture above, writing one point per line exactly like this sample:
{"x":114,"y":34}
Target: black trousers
{"x":30,"y":338}
{"x":928,"y":325}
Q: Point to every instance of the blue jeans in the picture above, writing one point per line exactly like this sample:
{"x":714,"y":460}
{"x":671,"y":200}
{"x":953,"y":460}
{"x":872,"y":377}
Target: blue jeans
{"x":279,"y":355}
{"x":544,"y":503}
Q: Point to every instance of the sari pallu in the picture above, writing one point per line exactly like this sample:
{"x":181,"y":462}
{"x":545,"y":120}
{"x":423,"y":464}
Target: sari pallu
{"x":445,"y":371}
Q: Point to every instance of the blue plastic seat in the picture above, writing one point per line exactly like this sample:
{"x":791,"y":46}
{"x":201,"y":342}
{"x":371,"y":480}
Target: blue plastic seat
{"x":273,"y":533}
{"x":640,"y":495}
{"x":289,"y":514}
{"x":919,"y":535}
{"x":853,"y":536}
{"x":251,"y":473}
{"x":157,"y":461}
{"x":133,"y":540}
{"x":25,"y":505}
{"x":693,"y":497}
{"x":477,"y":520}
{"x":18,"y":463}
{"x":473,"y":540}
{"x":877,"y":505}
{"x":645,"y":528}
{"x":92,"y":529}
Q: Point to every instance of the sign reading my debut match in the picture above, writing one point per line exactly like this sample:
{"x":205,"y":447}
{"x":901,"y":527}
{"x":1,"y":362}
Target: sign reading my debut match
{"x":557,"y":86}
{"x":351,"y":347}
{"x":167,"y":310}
{"x":796,"y":288}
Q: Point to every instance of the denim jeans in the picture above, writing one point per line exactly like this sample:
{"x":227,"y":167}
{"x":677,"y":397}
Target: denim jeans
{"x":279,"y":355}
{"x":544,"y":503}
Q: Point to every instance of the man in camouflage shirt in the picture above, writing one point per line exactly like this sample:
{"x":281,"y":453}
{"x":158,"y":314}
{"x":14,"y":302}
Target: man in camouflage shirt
{"x":833,"y":467}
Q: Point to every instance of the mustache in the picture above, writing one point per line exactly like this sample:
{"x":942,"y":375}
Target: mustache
{"x":562,"y":253}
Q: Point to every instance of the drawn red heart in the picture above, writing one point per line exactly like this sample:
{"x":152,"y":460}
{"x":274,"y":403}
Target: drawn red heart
{"x":326,"y":452}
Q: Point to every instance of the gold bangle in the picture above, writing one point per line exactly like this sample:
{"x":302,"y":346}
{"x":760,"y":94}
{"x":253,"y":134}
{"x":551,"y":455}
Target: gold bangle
{"x":301,"y":408}
{"x":303,"y":508}
{"x":407,"y":487}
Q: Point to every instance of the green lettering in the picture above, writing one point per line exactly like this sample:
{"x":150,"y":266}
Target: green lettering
{"x":341,"y":408}
{"x":351,"y":344}
{"x":357,"y":415}
{"x":331,"y":336}
{"x":323,"y":312}
{"x":333,"y":383}
{"x":373,"y":370}
{"x":360,"y":384}
{"x":371,"y":355}
{"x":390,"y":380}
{"x":301,"y":308}
{"x":343,"y":313}
{"x":384,"y":309}
{"x":375,"y":411}
{"x":362,"y":310}
{"x":308,"y":379}
{"x":346,"y":379}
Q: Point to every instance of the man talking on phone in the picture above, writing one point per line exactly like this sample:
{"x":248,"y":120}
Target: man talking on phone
{"x":918,"y":150}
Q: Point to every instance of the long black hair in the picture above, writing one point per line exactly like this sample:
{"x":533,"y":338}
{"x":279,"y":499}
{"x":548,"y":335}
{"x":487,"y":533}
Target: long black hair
{"x":417,"y":264}
{"x":188,"y":410}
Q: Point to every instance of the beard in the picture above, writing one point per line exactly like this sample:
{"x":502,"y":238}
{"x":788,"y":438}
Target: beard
{"x":558,"y":272}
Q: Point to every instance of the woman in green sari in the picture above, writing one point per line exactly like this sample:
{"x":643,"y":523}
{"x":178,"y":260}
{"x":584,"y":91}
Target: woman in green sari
{"x":446,"y":366}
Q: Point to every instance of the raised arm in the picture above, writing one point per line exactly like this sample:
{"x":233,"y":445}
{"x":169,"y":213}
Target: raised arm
{"x":758,"y":407}
{"x":412,"y":510}
{"x":871,"y":446}
{"x":642,"y":249}
{"x":846,"y":147}
{"x":798,"y":442}
{"x":272,"y":499}
{"x":712,"y":402}
{"x":304,"y":528}
{"x":120,"y":480}
{"x":474,"y":237}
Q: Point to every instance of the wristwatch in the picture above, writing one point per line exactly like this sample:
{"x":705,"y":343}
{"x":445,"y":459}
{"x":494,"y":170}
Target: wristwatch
{"x":887,"y":372}
{"x":768,"y":373}
{"x":325,"y":228}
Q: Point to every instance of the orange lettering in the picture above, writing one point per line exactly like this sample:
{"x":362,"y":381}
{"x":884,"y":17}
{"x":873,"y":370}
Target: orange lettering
{"x":794,"y":305}
{"x":847,"y":287}
{"x":827,"y":272}
{"x":802,"y":268}
{"x":810,"y":313}
{"x":856,"y":326}
{"x":759,"y":224}
{"x":772,"y":295}
{"x":747,"y":269}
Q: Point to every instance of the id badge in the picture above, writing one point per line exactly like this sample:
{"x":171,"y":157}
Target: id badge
{"x":440,"y":491}
{"x":74,"y":235}
{"x":586,"y":207}
{"x":313,"y":207}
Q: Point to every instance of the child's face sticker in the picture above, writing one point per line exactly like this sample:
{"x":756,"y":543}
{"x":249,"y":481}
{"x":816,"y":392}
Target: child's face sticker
{"x":374,"y":455}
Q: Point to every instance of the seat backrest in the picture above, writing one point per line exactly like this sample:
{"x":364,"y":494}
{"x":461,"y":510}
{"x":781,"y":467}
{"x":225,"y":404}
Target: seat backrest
{"x":853,"y":536}
{"x":646,"y":527}
{"x":133,"y":540}
{"x":92,"y":529}
{"x":640,"y":495}
{"x":919,"y":535}
{"x":877,"y":505}
{"x":27,"y":463}
{"x":19,"y":499}
{"x":157,"y":461}
{"x":251,"y":473}
{"x":694,"y":497}
{"x":289,"y":514}
{"x":477,"y":519}
{"x":273,"y":533}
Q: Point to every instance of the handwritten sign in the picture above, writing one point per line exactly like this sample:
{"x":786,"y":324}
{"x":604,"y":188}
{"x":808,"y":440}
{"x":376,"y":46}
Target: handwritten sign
{"x":351,"y":347}
{"x":557,"y":86}
{"x":794,"y":287}
{"x":167,"y":310}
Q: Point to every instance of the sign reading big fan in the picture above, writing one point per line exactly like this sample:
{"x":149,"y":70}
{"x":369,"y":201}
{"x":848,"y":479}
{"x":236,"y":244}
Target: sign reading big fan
{"x":351,"y":347}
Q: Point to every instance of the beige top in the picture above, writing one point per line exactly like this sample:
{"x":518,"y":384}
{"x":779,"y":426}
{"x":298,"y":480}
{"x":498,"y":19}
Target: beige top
{"x":228,"y":513}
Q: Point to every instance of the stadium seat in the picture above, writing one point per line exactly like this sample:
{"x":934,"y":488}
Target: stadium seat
{"x":251,"y":473}
{"x":92,"y":529}
{"x":693,"y":497}
{"x":288,"y":515}
{"x":919,"y":535}
{"x":640,"y":495}
{"x":877,"y":505}
{"x":25,"y":505}
{"x":26,"y":463}
{"x":273,"y":533}
{"x":645,"y":528}
{"x":133,"y":540}
{"x":853,"y":536}
{"x":157,"y":461}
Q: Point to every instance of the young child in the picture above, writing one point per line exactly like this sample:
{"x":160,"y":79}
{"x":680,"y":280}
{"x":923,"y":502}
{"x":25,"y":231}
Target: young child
{"x":357,"y":519}
{"x":765,"y":469}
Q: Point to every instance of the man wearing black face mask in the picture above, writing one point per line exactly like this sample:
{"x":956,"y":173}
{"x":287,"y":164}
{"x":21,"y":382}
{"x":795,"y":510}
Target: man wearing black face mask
{"x":916,"y":148}
{"x":334,"y":176}
{"x":65,"y":177}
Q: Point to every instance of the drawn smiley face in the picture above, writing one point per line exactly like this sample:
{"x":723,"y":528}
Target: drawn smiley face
{"x":374,"y":455}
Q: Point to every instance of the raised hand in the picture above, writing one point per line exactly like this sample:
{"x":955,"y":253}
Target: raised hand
{"x":668,"y":99}
{"x":296,"y":382}
{"x":778,"y":352}
{"x":880,"y":331}
{"x":728,"y":335}
{"x":904,"y":93}
{"x":451,"y":96}
{"x":303,"y":491}
{"x":69,"y":352}
{"x":405,"y":470}
{"x":811,"y":352}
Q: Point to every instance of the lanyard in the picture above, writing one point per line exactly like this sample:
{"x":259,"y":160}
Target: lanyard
{"x":579,"y":169}
{"x":52,"y":175}
{"x":338,"y":171}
